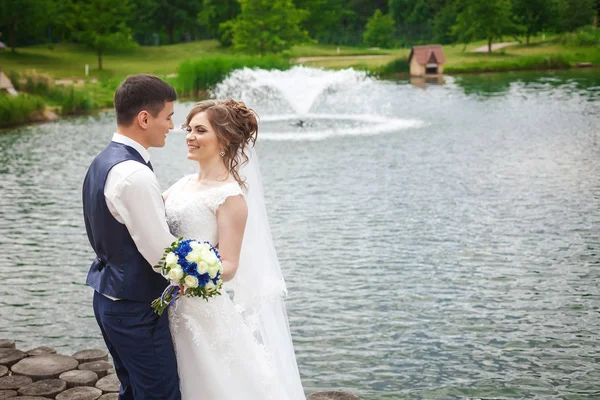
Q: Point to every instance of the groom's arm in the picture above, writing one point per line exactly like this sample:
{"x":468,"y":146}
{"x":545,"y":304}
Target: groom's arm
{"x":134,"y":198}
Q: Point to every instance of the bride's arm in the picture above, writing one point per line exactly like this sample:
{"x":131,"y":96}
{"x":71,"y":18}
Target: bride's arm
{"x":231,"y":220}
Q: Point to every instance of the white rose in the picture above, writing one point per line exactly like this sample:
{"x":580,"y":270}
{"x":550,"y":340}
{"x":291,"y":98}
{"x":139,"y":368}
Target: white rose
{"x":194,"y":256}
{"x":210,"y":286}
{"x":210,"y":257}
{"x":191,"y":281}
{"x":199,"y":246}
{"x":213,"y":271}
{"x":171,"y":259}
{"x":175,"y":274}
{"x":202,"y":267}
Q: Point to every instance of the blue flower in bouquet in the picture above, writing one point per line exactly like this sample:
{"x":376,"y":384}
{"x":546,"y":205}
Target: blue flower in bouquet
{"x":184,"y":248}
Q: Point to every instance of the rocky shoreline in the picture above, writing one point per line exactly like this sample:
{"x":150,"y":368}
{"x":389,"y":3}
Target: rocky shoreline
{"x":42,"y":374}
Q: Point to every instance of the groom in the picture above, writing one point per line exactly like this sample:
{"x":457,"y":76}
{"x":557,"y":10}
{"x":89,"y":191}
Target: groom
{"x":125,"y":222}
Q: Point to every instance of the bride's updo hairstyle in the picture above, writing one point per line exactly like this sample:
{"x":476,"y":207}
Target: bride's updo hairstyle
{"x":236,"y":127}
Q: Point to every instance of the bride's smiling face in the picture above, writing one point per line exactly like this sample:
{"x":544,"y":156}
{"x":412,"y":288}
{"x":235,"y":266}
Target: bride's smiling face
{"x":201,"y":139}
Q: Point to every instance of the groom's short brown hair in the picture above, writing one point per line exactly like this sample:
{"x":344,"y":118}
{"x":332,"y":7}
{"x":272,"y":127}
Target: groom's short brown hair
{"x":141,"y":92}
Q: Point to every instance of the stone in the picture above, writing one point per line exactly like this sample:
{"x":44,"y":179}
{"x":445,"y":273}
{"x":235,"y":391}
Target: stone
{"x":3,"y":370}
{"x":7,"y":344}
{"x":31,"y":398}
{"x":332,"y":395}
{"x":44,"y":367}
{"x":86,"y":356}
{"x":111,"y":371}
{"x":9,"y":357}
{"x":109,"y":396}
{"x":41,"y":351}
{"x":80,"y":393}
{"x":99,"y":367}
{"x":109,"y":384}
{"x":44,"y":388}
{"x":14,"y":382}
{"x":77,"y":378}
{"x":7,"y":394}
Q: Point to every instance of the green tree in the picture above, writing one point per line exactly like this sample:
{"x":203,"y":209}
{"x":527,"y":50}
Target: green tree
{"x":102,"y":25}
{"x":143,"y":22}
{"x":22,"y":20}
{"x":176,"y":16}
{"x":268,"y":26}
{"x":423,"y":20}
{"x":401,"y":9}
{"x":443,"y":22}
{"x":326,"y":19}
{"x":488,"y":20}
{"x":380,"y":30}
{"x":534,"y":16}
{"x":62,"y":19}
{"x":573,"y":14}
{"x":213,"y":13}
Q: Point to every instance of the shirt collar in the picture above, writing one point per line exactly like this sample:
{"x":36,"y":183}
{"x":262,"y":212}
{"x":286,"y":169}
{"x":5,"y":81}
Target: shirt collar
{"x":118,"y":138}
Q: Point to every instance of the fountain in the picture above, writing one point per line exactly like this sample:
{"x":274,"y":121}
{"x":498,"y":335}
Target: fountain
{"x":311,"y":104}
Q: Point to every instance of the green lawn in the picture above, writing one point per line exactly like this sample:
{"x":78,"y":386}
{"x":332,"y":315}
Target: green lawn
{"x":323,"y":50}
{"x":68,"y":60}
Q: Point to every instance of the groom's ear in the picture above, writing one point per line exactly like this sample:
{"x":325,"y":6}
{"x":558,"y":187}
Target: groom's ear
{"x":142,"y":119}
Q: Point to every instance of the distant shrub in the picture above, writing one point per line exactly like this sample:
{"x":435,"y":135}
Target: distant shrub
{"x":203,"y":74}
{"x":19,"y":109}
{"x":587,"y":36}
{"x":399,"y":65}
{"x":31,"y":81}
{"x":72,"y":100}
{"x":555,"y":61}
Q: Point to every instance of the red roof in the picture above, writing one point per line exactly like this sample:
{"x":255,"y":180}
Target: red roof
{"x":431,"y":54}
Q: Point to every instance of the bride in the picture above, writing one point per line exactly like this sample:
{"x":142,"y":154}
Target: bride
{"x":230,"y":347}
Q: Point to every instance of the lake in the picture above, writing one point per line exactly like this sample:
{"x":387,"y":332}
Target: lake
{"x":439,"y":241}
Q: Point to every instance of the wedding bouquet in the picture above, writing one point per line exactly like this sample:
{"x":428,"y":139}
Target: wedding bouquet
{"x":193,"y":268}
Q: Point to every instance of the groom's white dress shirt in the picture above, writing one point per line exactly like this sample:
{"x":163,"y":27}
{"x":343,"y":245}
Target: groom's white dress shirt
{"x":134,"y":198}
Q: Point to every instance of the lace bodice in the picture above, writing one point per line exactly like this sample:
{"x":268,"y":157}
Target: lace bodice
{"x":193,"y":215}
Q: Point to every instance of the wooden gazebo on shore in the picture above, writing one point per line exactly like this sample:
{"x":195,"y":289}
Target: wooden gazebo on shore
{"x":426,"y":60}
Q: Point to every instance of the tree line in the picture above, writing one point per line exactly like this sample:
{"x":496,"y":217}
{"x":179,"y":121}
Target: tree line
{"x":272,"y":26}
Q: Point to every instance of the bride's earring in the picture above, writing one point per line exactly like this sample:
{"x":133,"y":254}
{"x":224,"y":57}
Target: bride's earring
{"x":222,"y":153}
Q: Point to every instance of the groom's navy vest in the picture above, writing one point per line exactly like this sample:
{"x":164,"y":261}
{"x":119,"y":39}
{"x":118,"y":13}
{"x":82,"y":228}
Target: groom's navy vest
{"x":119,"y":269}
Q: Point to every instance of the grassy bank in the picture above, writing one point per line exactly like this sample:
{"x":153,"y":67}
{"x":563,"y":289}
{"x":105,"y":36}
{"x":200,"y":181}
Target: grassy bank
{"x":69,"y":60}
{"x":38,"y":93}
{"x":554,"y":52}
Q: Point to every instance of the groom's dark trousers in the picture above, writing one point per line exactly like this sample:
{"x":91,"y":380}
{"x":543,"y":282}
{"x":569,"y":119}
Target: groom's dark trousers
{"x":140,"y":344}
{"x":138,"y":339}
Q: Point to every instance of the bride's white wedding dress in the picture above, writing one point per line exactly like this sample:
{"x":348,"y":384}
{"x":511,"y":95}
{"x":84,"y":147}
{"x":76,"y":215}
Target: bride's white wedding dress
{"x":219,"y":356}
